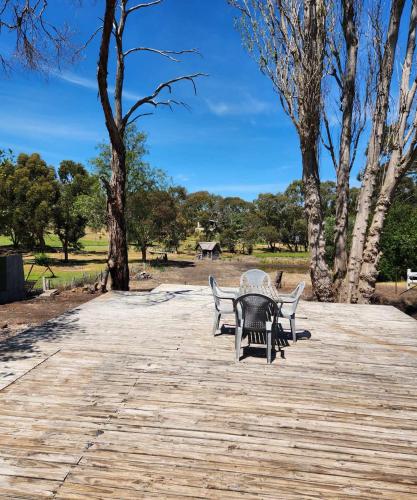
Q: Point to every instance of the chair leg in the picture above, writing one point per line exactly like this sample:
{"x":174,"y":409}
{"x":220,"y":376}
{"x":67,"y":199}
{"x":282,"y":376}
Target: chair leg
{"x":216,"y":321}
{"x":268,"y":346}
{"x":294,"y":333}
{"x":238,"y":341}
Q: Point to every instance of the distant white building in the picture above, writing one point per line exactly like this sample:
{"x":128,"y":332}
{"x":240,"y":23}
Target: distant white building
{"x":199,"y":228}
{"x":212,"y":226}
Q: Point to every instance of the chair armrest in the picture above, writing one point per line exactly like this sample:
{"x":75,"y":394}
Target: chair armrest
{"x":287,"y":300}
{"x":226,"y":292}
{"x":226,"y":295}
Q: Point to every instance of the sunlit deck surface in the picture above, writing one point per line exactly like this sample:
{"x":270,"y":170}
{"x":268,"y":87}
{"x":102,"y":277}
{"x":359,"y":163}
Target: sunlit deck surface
{"x":130,"y":396}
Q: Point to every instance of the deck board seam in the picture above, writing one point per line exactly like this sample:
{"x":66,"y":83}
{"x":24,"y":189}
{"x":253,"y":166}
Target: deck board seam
{"x":30,"y":370}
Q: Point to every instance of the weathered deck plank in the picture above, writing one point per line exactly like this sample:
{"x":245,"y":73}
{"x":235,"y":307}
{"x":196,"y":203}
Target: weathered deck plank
{"x":130,"y":396}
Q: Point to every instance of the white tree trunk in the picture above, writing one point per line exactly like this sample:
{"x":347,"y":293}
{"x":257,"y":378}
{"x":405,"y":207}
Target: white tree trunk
{"x":343,"y":168}
{"x":321,"y":279}
{"x":372,"y":253}
{"x":375,"y":147}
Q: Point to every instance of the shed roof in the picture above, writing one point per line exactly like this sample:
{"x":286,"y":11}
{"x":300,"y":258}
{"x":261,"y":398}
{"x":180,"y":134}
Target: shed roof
{"x":208,"y":245}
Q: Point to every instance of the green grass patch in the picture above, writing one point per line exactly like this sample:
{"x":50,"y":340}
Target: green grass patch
{"x":5,"y":241}
{"x":63,"y":278}
{"x":281,"y":255}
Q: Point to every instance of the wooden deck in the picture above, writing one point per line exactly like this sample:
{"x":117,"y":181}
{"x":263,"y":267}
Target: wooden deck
{"x":129,"y":396}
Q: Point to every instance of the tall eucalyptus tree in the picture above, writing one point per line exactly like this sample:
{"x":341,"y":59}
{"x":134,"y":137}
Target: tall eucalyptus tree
{"x":116,"y":15}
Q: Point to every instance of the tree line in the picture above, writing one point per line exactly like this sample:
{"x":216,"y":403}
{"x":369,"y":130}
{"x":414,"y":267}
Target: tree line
{"x":328,"y":61}
{"x":36,"y":199}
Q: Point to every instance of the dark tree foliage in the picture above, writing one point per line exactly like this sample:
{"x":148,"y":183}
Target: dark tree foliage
{"x":399,"y":238}
{"x":140,"y":174}
{"x":69,"y":223}
{"x":28,"y":193}
{"x":151,"y":217}
{"x":202,"y":208}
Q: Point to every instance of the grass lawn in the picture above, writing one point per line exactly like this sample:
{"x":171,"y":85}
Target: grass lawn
{"x":263,"y":254}
{"x":91,"y":259}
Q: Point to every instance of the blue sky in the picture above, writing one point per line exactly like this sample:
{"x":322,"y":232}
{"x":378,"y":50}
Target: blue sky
{"x":235,"y":141}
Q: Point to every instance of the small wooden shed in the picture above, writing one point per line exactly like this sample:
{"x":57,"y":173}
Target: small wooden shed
{"x":208,"y":250}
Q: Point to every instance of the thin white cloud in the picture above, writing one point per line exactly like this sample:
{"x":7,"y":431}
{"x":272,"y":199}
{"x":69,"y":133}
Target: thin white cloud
{"x":77,"y":80}
{"x":91,"y":84}
{"x":247,"y":105}
{"x":45,"y":128}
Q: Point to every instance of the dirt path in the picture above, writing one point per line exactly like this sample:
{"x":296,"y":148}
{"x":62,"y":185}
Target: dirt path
{"x":227,"y":273}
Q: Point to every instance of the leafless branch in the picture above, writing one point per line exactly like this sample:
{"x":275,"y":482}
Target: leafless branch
{"x":89,"y":40}
{"x":150,"y":99}
{"x":330,"y":145}
{"x":165,"y":53}
{"x":143,"y":6}
{"x":139,"y":116}
{"x":39,"y":44}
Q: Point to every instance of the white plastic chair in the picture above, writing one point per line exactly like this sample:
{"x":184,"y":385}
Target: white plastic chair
{"x":223,"y":302}
{"x":288,"y":309}
{"x":255,"y":277}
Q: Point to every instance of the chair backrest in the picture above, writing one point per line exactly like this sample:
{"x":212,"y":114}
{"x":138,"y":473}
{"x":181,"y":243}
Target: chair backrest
{"x":215,"y":291}
{"x":253,"y":310}
{"x":296,"y":294}
{"x":255,"y":277}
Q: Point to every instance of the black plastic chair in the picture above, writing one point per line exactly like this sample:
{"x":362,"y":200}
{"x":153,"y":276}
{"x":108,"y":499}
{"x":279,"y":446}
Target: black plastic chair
{"x":257,"y":314}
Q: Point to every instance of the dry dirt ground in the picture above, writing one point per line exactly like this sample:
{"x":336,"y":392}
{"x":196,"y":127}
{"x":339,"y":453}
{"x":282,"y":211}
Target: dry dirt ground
{"x":18,"y":316}
{"x":227,"y":272}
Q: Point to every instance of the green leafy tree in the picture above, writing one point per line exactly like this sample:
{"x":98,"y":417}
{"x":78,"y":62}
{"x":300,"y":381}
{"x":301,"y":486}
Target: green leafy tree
{"x":151,"y":214}
{"x":328,"y":198}
{"x":29,"y":191}
{"x":177,"y":229}
{"x":232,"y":220}
{"x":202,"y":208}
{"x":399,"y":238}
{"x":6,"y":197}
{"x":399,"y":242}
{"x":270,"y":235}
{"x":92,"y":206}
{"x":284,"y":212}
{"x":293,"y":226}
{"x":268,"y":207}
{"x":69,"y":223}
{"x":140,"y":175}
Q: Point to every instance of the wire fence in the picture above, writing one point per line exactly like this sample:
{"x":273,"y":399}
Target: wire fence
{"x":69,"y":282}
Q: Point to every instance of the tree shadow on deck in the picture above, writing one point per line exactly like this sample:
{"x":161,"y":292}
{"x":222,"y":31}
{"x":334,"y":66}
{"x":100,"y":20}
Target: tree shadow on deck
{"x":133,"y":299}
{"x":26,"y":344}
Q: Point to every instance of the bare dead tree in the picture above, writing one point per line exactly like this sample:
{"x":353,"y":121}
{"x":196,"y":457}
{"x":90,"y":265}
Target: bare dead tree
{"x":114,"y":24}
{"x":288,"y":39}
{"x":38,"y":43}
{"x":344,"y":57}
{"x":346,"y":68}
{"x":401,"y":143}
{"x":386,"y":55}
